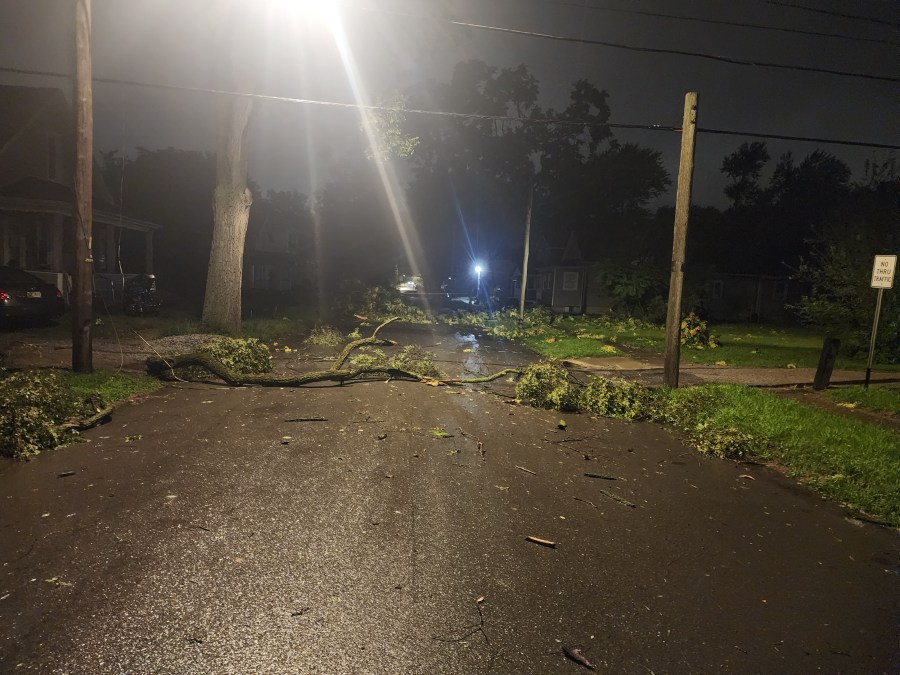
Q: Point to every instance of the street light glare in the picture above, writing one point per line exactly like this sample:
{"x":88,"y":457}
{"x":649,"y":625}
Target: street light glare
{"x":328,"y":10}
{"x":478,"y":269}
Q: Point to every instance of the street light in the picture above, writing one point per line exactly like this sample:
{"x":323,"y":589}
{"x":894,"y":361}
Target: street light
{"x":478,"y":271}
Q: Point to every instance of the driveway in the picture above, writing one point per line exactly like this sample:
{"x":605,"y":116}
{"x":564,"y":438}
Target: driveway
{"x":381,"y":527}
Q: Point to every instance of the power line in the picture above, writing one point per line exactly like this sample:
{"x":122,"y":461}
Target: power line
{"x":456,"y":115}
{"x":816,"y":10}
{"x":809,"y":139}
{"x":719,"y":22}
{"x":677,"y":52}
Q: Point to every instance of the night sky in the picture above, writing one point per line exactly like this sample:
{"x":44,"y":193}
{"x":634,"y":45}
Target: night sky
{"x":397,"y":44}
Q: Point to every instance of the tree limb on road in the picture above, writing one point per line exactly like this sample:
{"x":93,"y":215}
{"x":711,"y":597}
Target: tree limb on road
{"x":164,"y":367}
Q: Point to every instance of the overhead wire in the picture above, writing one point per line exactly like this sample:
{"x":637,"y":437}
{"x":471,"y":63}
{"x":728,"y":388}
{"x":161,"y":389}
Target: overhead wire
{"x":677,"y":52}
{"x":717,"y":22}
{"x":828,"y":12}
{"x":453,"y":114}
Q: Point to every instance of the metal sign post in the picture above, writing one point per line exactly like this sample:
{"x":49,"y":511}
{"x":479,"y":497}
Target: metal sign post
{"x":882,"y":277}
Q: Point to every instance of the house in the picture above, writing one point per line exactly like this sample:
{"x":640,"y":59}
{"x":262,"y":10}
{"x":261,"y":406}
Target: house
{"x":37,"y":164}
{"x":753,"y":298}
{"x":559,"y":277}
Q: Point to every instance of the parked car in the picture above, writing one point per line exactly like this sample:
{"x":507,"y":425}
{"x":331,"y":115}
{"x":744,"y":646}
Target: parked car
{"x":24,"y":296}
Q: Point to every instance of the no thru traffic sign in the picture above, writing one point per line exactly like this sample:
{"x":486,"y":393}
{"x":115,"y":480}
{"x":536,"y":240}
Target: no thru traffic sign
{"x":883,"y":271}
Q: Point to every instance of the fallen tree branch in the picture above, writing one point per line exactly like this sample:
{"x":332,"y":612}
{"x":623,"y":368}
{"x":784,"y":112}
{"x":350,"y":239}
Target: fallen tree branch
{"x":164,"y":369}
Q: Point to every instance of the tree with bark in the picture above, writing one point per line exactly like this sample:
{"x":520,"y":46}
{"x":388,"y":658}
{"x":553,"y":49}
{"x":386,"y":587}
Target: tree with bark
{"x":231,"y":212}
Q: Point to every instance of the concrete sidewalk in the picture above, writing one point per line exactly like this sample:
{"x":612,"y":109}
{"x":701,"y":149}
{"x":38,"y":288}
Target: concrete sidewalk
{"x":649,"y":370}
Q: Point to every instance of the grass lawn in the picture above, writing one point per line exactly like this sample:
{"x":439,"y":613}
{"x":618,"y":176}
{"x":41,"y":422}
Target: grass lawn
{"x":111,"y":385}
{"x":881,"y":398}
{"x":848,"y":460}
{"x":747,"y":345}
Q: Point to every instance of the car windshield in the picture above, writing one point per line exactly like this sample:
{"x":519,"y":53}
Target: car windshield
{"x":11,"y":276}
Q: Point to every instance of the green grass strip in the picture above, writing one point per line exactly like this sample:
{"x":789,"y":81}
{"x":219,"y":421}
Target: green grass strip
{"x":849,"y":460}
{"x":882,"y":398}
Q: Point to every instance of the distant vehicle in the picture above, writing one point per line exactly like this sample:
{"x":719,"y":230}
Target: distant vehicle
{"x":24,"y":296}
{"x":140,"y":297}
{"x":410,"y":285}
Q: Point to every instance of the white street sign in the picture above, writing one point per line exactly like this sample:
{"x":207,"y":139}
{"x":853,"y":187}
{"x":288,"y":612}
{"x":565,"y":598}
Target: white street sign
{"x":883,"y":271}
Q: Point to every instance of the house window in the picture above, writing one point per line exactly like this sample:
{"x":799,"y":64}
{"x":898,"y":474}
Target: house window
{"x":548,"y":282}
{"x":570,"y":281}
{"x":718,"y":287}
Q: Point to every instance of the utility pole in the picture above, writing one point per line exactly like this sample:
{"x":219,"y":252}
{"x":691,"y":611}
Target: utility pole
{"x":81,"y":300}
{"x":682,"y":211}
{"x":525,"y":257}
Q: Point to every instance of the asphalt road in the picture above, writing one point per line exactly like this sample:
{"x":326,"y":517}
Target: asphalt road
{"x":208,"y":530}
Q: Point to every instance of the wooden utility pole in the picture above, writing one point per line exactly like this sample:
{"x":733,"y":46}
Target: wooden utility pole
{"x":81,"y":300}
{"x":682,"y":211}
{"x":525,"y":257}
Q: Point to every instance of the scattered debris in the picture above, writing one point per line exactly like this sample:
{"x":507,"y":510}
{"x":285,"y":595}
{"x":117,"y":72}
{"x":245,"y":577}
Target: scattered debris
{"x":381,"y":437}
{"x":301,"y":611}
{"x":502,"y":488}
{"x":603,"y":476}
{"x":479,"y":600}
{"x":562,"y":424}
{"x":522,"y":468}
{"x":618,"y":499}
{"x":56,"y":581}
{"x":286,"y":439}
{"x":130,"y":439}
{"x":542,"y":542}
{"x":577,"y":655}
{"x":579,"y":499}
{"x":65,"y":474}
{"x":440,"y":433}
{"x":308,"y":419}
{"x":747,"y":476}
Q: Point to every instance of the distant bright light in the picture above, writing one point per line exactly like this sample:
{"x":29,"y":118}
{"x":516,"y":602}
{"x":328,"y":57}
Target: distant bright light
{"x":478,"y":269}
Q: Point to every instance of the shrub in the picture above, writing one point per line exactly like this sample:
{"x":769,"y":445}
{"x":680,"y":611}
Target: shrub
{"x":241,"y":355}
{"x":546,"y":385}
{"x":695,"y":333}
{"x":618,"y":398}
{"x":728,"y":442}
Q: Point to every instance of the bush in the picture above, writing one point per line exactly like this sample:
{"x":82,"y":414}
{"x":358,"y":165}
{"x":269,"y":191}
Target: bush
{"x":618,"y":398}
{"x":695,"y":333}
{"x":34,"y":405}
{"x":546,"y":385}
{"x":240,"y":355}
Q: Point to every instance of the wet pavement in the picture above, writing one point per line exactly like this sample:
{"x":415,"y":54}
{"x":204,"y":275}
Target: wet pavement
{"x":380,"y":527}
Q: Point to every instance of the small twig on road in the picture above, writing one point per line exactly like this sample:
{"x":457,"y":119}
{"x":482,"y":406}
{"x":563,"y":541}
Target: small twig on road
{"x":522,"y":468}
{"x":579,"y":499}
{"x":603,"y":476}
{"x":308,"y":419}
{"x":542,"y":542}
{"x":618,"y":499}
{"x":476,"y":439}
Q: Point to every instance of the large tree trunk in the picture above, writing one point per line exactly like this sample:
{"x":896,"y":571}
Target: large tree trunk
{"x":231,"y":208}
